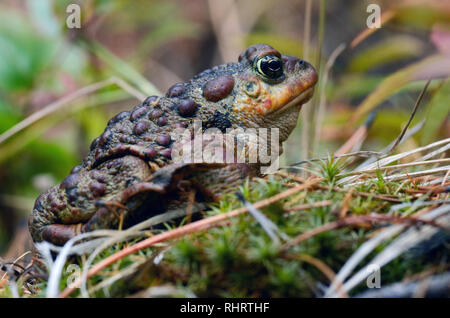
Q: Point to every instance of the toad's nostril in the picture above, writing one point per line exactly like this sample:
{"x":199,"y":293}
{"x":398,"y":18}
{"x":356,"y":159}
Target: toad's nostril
{"x":289,"y":63}
{"x":302,"y":65}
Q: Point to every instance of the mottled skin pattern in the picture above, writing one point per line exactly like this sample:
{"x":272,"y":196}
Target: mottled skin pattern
{"x":129,"y":169}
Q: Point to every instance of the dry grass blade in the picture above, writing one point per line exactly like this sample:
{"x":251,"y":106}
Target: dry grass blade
{"x":352,"y":220}
{"x":93,"y":247}
{"x":403,"y":243}
{"x":399,"y":166}
{"x":363,"y":154}
{"x":133,"y":232}
{"x":229,"y":46}
{"x":307,"y":29}
{"x":320,"y":265}
{"x":314,"y":107}
{"x":111,"y":280}
{"x":302,"y":207}
{"x":57,"y":266}
{"x":3,"y":281}
{"x":322,"y":102}
{"x":413,"y":113}
{"x":17,"y":202}
{"x":409,"y":133}
{"x":387,"y":160}
{"x":55,"y":106}
{"x":307,"y":108}
{"x":337,"y":189}
{"x":370,"y":245}
{"x":431,"y":67}
{"x":269,"y":227}
{"x":436,"y":152}
{"x":385,"y":17}
{"x":10,"y":269}
{"x":402,"y":176}
{"x":431,"y":287}
{"x":120,"y":67}
{"x":355,"y":141}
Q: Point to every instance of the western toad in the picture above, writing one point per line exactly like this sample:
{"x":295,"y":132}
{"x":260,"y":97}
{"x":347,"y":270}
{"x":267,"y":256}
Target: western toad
{"x":130,"y":169}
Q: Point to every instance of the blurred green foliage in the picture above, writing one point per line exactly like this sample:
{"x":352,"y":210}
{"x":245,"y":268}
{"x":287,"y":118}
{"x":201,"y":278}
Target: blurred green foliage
{"x":23,"y":55}
{"x":387,"y":51}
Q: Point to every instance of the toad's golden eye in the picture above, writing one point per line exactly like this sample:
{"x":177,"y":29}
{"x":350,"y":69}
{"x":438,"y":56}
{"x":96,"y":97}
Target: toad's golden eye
{"x":270,"y":66}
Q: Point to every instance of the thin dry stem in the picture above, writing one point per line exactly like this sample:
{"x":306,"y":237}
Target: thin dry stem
{"x":413,"y":113}
{"x":322,"y":102}
{"x":352,"y":220}
{"x":60,"y":103}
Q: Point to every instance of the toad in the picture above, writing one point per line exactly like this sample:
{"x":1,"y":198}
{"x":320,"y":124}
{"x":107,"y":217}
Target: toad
{"x":129,"y":173}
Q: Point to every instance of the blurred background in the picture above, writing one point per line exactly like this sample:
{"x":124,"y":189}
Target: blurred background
{"x":56,"y":92}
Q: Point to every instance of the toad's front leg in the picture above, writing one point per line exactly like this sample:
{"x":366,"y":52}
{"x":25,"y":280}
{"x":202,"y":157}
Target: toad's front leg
{"x":66,"y":209}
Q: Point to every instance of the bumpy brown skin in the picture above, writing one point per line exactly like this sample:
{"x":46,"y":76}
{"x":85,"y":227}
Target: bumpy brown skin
{"x":130,"y":164}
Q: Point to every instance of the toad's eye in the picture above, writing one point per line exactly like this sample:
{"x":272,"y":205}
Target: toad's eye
{"x":270,"y":66}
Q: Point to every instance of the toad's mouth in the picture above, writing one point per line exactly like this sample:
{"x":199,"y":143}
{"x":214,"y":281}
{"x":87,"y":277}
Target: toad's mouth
{"x":298,"y":101}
